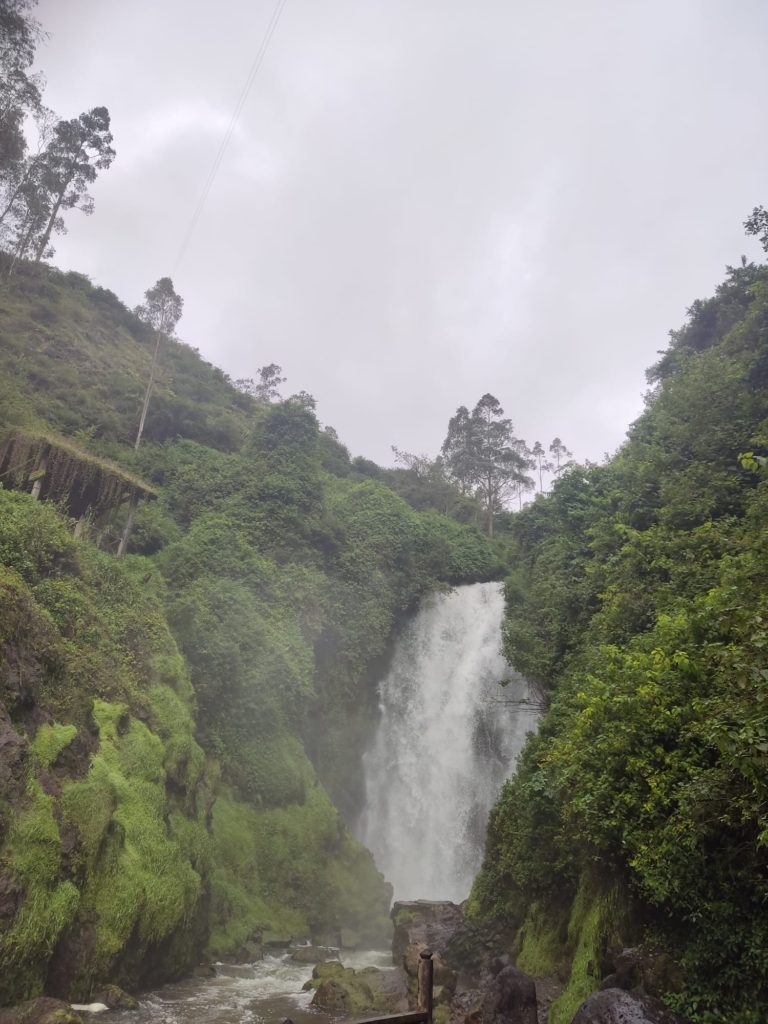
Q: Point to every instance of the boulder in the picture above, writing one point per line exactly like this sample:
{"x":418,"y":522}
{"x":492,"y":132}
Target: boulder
{"x":427,"y":924}
{"x":616,"y":1006}
{"x":652,"y":971}
{"x":510,"y":998}
{"x":40,"y":1011}
{"x":116,"y":998}
{"x":472,"y":946}
{"x":344,"y":992}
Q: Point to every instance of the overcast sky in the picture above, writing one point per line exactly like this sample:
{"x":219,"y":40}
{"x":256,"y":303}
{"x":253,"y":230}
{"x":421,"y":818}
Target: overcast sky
{"x":425,"y":200}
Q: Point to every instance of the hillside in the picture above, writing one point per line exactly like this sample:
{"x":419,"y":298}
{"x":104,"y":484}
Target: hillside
{"x":638,"y":604}
{"x":181,"y":727}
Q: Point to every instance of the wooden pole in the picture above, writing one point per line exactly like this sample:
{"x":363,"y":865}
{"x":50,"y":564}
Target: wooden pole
{"x":425,"y":981}
{"x":128,"y":524}
{"x":39,"y":474}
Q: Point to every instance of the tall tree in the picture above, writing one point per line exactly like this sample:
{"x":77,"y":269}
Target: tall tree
{"x":563,"y":458}
{"x":161,"y":309}
{"x":22,"y":178}
{"x":484,"y":456}
{"x":542,"y":464}
{"x":458,"y":450}
{"x":78,"y":150}
{"x":20,"y":91}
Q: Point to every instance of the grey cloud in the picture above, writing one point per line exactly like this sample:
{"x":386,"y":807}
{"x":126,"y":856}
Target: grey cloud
{"x":425,"y":201}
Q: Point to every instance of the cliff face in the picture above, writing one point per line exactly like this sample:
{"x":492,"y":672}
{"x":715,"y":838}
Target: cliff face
{"x":124,"y":853}
{"x":106,"y":856}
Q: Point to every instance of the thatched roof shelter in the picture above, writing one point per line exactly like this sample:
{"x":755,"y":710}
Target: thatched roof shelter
{"x":55,"y":469}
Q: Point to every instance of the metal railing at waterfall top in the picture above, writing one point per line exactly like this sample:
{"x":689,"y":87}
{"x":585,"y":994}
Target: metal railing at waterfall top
{"x":422,"y":1015}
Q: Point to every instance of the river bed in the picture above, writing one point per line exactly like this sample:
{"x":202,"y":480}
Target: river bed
{"x":264,"y":992}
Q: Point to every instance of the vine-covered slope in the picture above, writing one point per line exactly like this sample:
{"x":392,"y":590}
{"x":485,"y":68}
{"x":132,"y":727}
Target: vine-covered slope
{"x":639,"y":604}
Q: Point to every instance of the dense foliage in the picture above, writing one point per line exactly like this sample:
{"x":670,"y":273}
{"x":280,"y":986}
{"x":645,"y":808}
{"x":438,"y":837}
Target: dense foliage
{"x":639,"y":605}
{"x":39,"y":185}
{"x":188,"y":720}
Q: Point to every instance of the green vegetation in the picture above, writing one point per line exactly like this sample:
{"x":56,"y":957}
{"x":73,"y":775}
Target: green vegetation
{"x":50,"y":904}
{"x":638,"y":605}
{"x":50,"y":740}
{"x":205,"y":700}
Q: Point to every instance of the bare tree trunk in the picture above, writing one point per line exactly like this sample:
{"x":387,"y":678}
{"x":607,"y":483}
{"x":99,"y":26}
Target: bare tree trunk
{"x":23,"y":244}
{"x":148,"y":393}
{"x":57,"y":205}
{"x":49,"y":228}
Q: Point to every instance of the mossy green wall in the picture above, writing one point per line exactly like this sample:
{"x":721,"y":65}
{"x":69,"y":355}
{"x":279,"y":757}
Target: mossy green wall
{"x":127,"y":853}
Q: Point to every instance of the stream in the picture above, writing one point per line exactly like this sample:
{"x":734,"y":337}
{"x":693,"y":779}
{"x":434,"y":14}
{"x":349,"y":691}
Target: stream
{"x":267,"y":991}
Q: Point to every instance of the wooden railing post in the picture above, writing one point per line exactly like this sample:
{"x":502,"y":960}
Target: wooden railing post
{"x":426,"y":982}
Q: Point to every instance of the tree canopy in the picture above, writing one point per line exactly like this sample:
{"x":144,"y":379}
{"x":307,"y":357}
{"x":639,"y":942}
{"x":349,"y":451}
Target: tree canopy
{"x":484,"y":457}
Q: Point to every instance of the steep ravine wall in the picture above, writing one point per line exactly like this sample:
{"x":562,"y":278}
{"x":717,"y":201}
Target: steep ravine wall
{"x":124,"y":855}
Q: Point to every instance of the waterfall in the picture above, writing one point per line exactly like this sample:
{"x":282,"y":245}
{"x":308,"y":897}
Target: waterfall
{"x":443,"y":746}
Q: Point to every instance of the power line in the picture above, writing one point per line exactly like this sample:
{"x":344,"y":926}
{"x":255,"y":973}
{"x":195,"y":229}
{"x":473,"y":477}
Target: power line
{"x":257,"y":62}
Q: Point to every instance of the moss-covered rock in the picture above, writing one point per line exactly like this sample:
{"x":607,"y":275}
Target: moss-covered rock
{"x":342,"y":991}
{"x":115,"y":998}
{"x":43,"y":1010}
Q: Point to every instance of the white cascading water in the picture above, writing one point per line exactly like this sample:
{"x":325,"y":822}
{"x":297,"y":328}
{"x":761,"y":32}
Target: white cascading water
{"x":444,"y":745}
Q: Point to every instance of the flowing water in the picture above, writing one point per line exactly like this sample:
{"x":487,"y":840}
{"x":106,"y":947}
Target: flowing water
{"x":264,"y":992}
{"x":444,"y":745}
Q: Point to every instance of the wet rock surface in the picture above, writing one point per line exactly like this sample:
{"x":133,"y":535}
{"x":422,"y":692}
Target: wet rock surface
{"x":616,"y":1006}
{"x":510,"y":998}
{"x":642,"y":968}
{"x":343,"y":991}
{"x":40,"y":1011}
{"x":115,"y":998}
{"x":313,"y":954}
{"x":473,"y":984}
{"x":425,"y":924}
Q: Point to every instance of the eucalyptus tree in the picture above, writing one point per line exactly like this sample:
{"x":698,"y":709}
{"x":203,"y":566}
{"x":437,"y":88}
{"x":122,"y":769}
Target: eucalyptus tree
{"x":161,"y":309}
{"x":542,"y":464}
{"x":484,"y":457}
{"x":20,"y":92}
{"x":78,"y":150}
{"x":458,"y":450}
{"x":563,"y":458}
